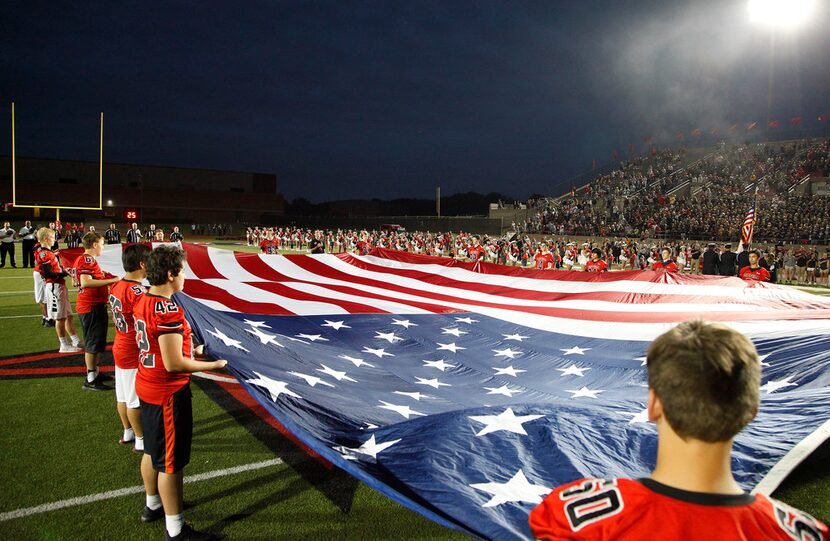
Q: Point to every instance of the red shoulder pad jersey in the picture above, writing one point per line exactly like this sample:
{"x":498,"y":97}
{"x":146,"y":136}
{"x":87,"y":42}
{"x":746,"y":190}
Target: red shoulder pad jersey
{"x":91,"y":296}
{"x":544,"y":261}
{"x":155,"y":316}
{"x":123,"y":296}
{"x":36,"y":250}
{"x":269,"y":246}
{"x":475,"y":252}
{"x":755,"y":275}
{"x":625,"y":509}
{"x":47,"y":257}
{"x":671,"y":266}
{"x":596,"y":266}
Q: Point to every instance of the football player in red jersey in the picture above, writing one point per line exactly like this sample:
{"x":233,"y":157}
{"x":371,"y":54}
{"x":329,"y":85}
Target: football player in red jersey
{"x":55,"y":295}
{"x":476,"y":250}
{"x":754,"y":272}
{"x":123,"y":295}
{"x":165,"y":363}
{"x":596,"y":264}
{"x":544,"y":259}
{"x":91,"y":306}
{"x":691,"y":494}
{"x":665,"y":264}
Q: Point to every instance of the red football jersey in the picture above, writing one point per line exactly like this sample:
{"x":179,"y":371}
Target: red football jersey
{"x":123,"y":296}
{"x":596,"y":266}
{"x":755,"y":275}
{"x":47,"y":257}
{"x":154,"y":316}
{"x":90,"y":296}
{"x":36,"y":249}
{"x":270,"y":246}
{"x":625,"y":509}
{"x":669,"y":266}
{"x":544,"y":261}
{"x":475,"y":252}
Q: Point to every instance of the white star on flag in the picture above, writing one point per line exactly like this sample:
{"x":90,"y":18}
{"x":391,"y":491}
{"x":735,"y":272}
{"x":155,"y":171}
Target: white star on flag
{"x":572,"y":371}
{"x":455,"y":332}
{"x":312,"y":337}
{"x":311,"y":380}
{"x":643,"y":360}
{"x":584,"y":391}
{"x":466,"y":320}
{"x":372,"y":448}
{"x":227,"y":340}
{"x":504,"y":389}
{"x":505,"y":420}
{"x":772,"y":386}
{"x":576,"y":350}
{"x":517,"y":489}
{"x":449,"y":347}
{"x":763,"y":358}
{"x":509,"y":371}
{"x":339,"y":376}
{"x":639,"y":417}
{"x":517,"y":337}
{"x":431,"y":382}
{"x":264,"y":337}
{"x":379,"y":352}
{"x":413,"y":396}
{"x":404,"y":323}
{"x":347,"y":452}
{"x":256,"y":324}
{"x":439,"y":364}
{"x":507,"y":352}
{"x":276,"y":388}
{"x":355,"y":361}
{"x":388,"y":336}
{"x":403,"y":410}
{"x":336,"y":325}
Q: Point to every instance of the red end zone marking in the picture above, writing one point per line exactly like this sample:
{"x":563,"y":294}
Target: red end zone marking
{"x":80,"y":370}
{"x":42,"y":357}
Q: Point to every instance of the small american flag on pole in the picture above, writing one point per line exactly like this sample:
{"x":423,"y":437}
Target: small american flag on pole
{"x":749,"y":223}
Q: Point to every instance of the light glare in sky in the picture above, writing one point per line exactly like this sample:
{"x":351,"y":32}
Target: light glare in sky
{"x":781,"y":13}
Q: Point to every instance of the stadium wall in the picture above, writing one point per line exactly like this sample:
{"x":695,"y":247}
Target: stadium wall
{"x":470,"y":224}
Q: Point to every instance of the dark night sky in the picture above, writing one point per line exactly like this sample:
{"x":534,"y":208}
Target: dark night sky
{"x":389,"y":99}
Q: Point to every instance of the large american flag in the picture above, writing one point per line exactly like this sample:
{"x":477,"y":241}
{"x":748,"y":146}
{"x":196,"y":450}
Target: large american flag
{"x":467,"y":391}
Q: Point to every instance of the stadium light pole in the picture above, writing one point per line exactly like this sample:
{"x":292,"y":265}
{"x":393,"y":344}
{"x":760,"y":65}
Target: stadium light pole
{"x":778,"y":16}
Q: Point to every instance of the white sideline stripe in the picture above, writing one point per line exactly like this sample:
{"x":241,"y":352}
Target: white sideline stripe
{"x":14,"y":292}
{"x":793,"y":458}
{"x":83,"y":500}
{"x":18,"y":317}
{"x":214,"y":377}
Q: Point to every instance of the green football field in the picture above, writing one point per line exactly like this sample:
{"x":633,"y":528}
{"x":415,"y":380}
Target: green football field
{"x":64,"y":476}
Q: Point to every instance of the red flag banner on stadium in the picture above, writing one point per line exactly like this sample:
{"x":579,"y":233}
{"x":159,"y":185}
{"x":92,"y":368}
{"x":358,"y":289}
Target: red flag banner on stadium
{"x":679,"y":136}
{"x":751,"y":126}
{"x":696,"y":132}
{"x":822,"y":117}
{"x":465,"y":391}
{"x":733,"y":128}
{"x":714,"y":131}
{"x":795,"y":121}
{"x":773,"y":123}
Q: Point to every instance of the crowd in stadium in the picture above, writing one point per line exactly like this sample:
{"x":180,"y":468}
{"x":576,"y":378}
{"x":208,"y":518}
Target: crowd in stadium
{"x":640,"y":198}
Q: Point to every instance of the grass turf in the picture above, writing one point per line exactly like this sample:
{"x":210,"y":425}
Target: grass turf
{"x":59,"y":442}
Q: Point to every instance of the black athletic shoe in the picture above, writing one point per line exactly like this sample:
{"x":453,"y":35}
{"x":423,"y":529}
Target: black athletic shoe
{"x":104,"y":377}
{"x":44,"y":322}
{"x":189,"y":534}
{"x":152,"y":515}
{"x":50,"y":322}
{"x":95,"y":385}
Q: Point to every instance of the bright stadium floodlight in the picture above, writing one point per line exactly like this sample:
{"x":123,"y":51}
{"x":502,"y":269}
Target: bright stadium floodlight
{"x":781,"y":13}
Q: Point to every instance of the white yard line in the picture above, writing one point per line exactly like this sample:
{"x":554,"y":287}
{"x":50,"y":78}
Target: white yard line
{"x":18,"y":317}
{"x":83,"y":500}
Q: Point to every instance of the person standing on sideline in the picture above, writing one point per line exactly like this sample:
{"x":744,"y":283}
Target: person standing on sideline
{"x":122,"y":298}
{"x":112,"y":235}
{"x":726,"y":264}
{"x":40,"y":287}
{"x":703,"y":389}
{"x":27,"y":234}
{"x":56,"y":296}
{"x":134,"y":235}
{"x":163,"y":386}
{"x":91,"y":305}
{"x":710,"y":260}
{"x":7,"y":235}
{"x":176,"y":236}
